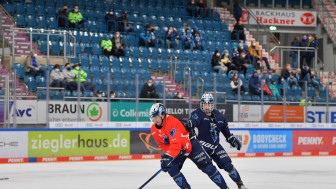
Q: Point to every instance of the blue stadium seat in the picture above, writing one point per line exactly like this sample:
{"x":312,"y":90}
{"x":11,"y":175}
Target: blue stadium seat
{"x":97,"y":50}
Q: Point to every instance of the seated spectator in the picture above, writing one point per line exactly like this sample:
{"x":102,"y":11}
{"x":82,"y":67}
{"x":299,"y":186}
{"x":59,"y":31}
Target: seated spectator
{"x":226,"y":61}
{"x":111,"y":21}
{"x":113,"y":96}
{"x":274,"y":89}
{"x":81,"y":75}
{"x":63,"y":16}
{"x":216,"y":64}
{"x":123,"y":25}
{"x":56,"y":77}
{"x":69,"y":77}
{"x":106,"y":45}
{"x":99,"y":96}
{"x":178,"y":95}
{"x":75,"y":18}
{"x":188,"y":41}
{"x":148,"y":90}
{"x":289,"y":76}
{"x":148,"y":38}
{"x":237,"y":83}
{"x":238,"y":32}
{"x":198,"y":41}
{"x":266,"y":89}
{"x":192,"y":9}
{"x":281,"y":84}
{"x":241,"y":48}
{"x":118,"y":45}
{"x":241,"y":62}
{"x":256,"y":56}
{"x":307,"y":75}
{"x":172,"y":37}
{"x":254,"y":84}
{"x":32,"y":67}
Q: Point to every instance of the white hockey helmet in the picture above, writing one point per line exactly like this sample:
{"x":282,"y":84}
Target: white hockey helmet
{"x":207,"y":98}
{"x":156,"y":109}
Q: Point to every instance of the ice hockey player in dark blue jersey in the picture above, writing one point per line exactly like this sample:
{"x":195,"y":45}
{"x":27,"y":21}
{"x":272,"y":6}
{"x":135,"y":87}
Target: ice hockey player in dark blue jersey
{"x":206,"y":123}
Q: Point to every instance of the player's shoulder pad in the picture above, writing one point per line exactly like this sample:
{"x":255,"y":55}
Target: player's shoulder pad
{"x":195,"y":115}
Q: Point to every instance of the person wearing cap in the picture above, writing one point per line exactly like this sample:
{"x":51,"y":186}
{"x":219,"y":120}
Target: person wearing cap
{"x":75,"y":18}
{"x":111,"y":20}
{"x":32,"y":67}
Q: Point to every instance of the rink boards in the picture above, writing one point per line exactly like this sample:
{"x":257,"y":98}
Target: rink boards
{"x":61,"y":145}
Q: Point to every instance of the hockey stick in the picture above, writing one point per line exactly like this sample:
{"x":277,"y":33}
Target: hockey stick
{"x":4,"y":178}
{"x":159,"y":171}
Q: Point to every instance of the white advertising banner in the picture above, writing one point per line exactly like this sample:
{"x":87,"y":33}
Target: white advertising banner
{"x":100,"y":125}
{"x":276,"y":17}
{"x":63,"y":111}
{"x":13,"y":144}
{"x":247,"y":113}
{"x":26,"y":112}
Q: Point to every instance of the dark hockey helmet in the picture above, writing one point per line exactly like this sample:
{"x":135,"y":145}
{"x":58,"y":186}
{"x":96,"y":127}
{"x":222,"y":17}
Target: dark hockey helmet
{"x":207,"y":98}
{"x":156,"y":109}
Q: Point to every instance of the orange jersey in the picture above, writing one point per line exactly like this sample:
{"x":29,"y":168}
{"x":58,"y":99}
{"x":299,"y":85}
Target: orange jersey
{"x":172,"y":137}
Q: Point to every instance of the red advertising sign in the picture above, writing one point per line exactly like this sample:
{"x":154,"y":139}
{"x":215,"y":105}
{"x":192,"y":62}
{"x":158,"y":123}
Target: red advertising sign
{"x":314,"y":141}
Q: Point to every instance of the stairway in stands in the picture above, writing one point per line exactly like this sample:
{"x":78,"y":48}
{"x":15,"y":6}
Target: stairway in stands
{"x":22,"y":42}
{"x":228,"y":18}
{"x":171,"y":87}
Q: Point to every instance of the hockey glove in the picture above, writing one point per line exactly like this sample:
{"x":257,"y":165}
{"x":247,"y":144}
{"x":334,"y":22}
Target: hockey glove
{"x":190,"y":129}
{"x":166,"y":161}
{"x":234,"y":142}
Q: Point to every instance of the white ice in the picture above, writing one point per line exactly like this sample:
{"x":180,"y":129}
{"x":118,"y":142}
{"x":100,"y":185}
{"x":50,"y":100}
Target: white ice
{"x":257,"y":173}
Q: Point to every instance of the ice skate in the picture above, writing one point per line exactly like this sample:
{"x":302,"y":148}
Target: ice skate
{"x":241,"y":185}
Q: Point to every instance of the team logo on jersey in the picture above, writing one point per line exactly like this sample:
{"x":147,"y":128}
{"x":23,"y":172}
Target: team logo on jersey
{"x":194,"y":116}
{"x":172,"y":132}
{"x":166,"y":140}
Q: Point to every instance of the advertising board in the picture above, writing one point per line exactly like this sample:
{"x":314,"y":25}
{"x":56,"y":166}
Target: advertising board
{"x":281,"y":17}
{"x":13,"y":144}
{"x":78,"y":143}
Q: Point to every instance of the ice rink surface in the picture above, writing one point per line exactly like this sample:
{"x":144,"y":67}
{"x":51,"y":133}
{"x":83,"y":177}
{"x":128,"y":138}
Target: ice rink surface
{"x":257,"y":173}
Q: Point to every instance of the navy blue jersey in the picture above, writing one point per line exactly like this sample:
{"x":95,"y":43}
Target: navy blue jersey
{"x":208,"y":128}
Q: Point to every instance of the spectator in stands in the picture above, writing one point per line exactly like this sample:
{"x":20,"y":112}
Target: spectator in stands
{"x":69,"y":77}
{"x":274,"y":89}
{"x":56,"y":77}
{"x":192,"y":8}
{"x":111,"y":20}
{"x":241,"y":62}
{"x":237,"y":11}
{"x":172,"y":37}
{"x":149,"y":90}
{"x":307,"y":75}
{"x":237,"y":83}
{"x":75,"y":18}
{"x":188,"y":41}
{"x":312,"y":42}
{"x":63,"y":16}
{"x":178,"y":95}
{"x":198,"y":41}
{"x":289,"y":76}
{"x":238,"y":32}
{"x":225,"y":59}
{"x":106,"y":45}
{"x":81,"y":75}
{"x":113,"y":96}
{"x":216,"y":64}
{"x":242,"y":47}
{"x":256,"y":56}
{"x":254,"y":84}
{"x":202,"y":9}
{"x":294,"y":53}
{"x":303,"y":54}
{"x":281,"y":84}
{"x":303,"y":100}
{"x":266,"y":89}
{"x":123,"y":25}
{"x":147,"y":36}
{"x":32,"y":67}
{"x":99,"y":96}
{"x":118,"y":45}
